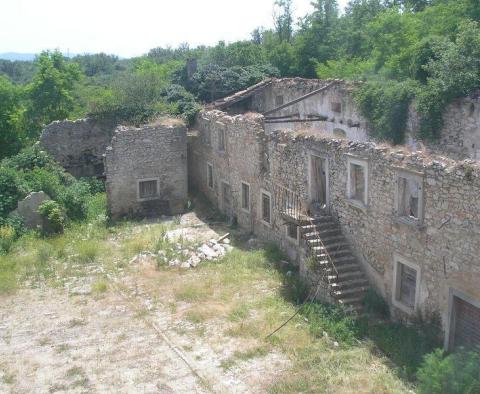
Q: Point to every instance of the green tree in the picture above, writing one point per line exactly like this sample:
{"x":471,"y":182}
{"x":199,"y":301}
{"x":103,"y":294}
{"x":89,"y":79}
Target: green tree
{"x":51,"y":91}
{"x":283,"y":20}
{"x":12,"y":135}
{"x":313,"y":42}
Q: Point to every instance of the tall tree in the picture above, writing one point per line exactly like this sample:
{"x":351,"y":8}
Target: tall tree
{"x":283,"y":20}
{"x":51,"y":91}
{"x":313,"y":42}
{"x":11,"y":115}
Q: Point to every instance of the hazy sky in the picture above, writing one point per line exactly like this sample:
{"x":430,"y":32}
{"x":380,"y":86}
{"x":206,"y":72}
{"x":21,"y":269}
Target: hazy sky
{"x":129,"y":27}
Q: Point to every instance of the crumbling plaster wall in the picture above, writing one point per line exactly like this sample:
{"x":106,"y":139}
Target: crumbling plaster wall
{"x":78,"y":145}
{"x":445,"y":246}
{"x":151,"y":152}
{"x":335,"y":106}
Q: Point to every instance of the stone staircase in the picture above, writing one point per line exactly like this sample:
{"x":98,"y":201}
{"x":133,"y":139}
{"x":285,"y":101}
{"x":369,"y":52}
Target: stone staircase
{"x":333,"y":256}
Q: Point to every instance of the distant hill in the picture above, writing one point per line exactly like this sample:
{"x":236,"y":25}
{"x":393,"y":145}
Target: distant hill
{"x":24,"y":56}
{"x":17,"y":56}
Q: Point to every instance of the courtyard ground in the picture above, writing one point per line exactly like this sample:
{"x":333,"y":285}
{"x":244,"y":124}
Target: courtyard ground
{"x":100,"y":309}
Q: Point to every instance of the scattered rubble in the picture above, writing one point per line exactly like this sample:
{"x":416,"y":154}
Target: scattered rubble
{"x":184,"y":256}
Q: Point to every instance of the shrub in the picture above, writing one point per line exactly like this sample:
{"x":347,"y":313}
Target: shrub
{"x":95,"y":185}
{"x":332,"y":319}
{"x":30,"y":158}
{"x":406,"y":345}
{"x":12,"y":189}
{"x":7,"y":236}
{"x":457,"y":373}
{"x":385,"y":105}
{"x":75,"y":200}
{"x":42,"y":179}
{"x":53,"y":216}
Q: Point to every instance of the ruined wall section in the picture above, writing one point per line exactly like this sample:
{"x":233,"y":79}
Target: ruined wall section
{"x":246,"y":159}
{"x":460,"y":135}
{"x":444,"y":246}
{"x":78,"y":145}
{"x":155,"y":153}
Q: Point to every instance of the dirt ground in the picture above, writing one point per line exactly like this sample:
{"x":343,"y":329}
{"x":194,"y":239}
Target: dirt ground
{"x":121,"y":340}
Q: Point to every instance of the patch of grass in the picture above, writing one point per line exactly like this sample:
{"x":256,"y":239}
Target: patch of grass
{"x":239,"y":356}
{"x":239,"y":313}
{"x":62,"y":348}
{"x":195,"y":316}
{"x":87,"y":251}
{"x":8,"y":279}
{"x":193,"y":291}
{"x":76,"y":323}
{"x":74,"y":371}
{"x":100,"y":286}
{"x":9,"y":378}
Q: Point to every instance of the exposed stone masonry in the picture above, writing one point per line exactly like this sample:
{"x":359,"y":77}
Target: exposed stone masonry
{"x":78,"y":145}
{"x":444,"y":243}
{"x":155,"y":154}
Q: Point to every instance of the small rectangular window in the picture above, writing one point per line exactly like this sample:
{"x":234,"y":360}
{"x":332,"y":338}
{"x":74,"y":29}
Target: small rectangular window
{"x":357,"y":183}
{"x":246,"y":196}
{"x":148,"y":189}
{"x":357,"y":186}
{"x":221,"y":140}
{"x":210,"y":175}
{"x":206,"y":135}
{"x":292,"y":231}
{"x":226,"y":197}
{"x":266,"y":208}
{"x":408,"y":283}
{"x":278,"y":100}
{"x":337,"y":107}
{"x":408,"y":197}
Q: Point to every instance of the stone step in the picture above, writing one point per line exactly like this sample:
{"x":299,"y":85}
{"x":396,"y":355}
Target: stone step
{"x":351,"y":300}
{"x":328,"y":240}
{"x":345,"y":276}
{"x":344,"y":259}
{"x":333,"y":249}
{"x":347,"y":267}
{"x":360,"y":281}
{"x":329,"y":232}
{"x":322,"y":219}
{"x":350,"y":291}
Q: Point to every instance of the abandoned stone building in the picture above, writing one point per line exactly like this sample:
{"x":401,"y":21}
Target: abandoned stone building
{"x":291,"y":161}
{"x":146,"y":170}
{"x":79,"y":145}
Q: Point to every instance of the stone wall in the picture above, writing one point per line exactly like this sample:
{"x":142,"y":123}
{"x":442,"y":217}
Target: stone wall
{"x":460,"y":135}
{"x":153,"y":153}
{"x":443,"y":245}
{"x":78,"y":145}
{"x":334,"y":112}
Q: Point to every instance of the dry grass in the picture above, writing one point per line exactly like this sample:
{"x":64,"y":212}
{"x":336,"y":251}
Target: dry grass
{"x":242,"y":299}
{"x":238,"y":300}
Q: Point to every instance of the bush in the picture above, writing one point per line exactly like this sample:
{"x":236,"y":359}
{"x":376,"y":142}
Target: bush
{"x":7,"y":236}
{"x":74,"y":199}
{"x":12,"y":189}
{"x":457,"y":373}
{"x":406,"y":345}
{"x":53,"y":216}
{"x":30,"y":158}
{"x":332,"y":319}
{"x":95,"y":185}
{"x":385,"y":105}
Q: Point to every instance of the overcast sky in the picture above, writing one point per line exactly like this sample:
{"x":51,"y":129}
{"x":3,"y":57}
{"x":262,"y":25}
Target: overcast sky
{"x":129,"y":27}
